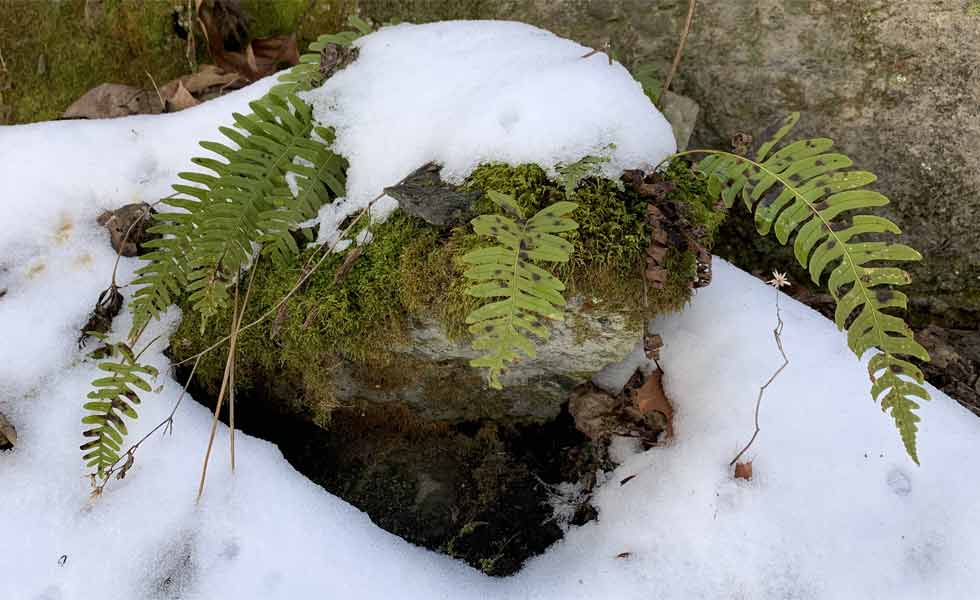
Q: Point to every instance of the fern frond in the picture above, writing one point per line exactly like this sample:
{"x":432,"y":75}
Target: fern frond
{"x":243,"y":201}
{"x":571,"y":175}
{"x":307,"y":74}
{"x":803,"y":189}
{"x":113,"y":398}
{"x":522,"y":293}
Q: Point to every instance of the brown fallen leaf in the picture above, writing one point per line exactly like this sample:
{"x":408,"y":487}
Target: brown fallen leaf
{"x":624,"y":555}
{"x":180,"y":99}
{"x":743,"y":470}
{"x":100,"y":320}
{"x":111,"y":100}
{"x":206,"y":78}
{"x":8,"y":435}
{"x":651,"y":398}
{"x":128,"y":227}
{"x":348,"y":264}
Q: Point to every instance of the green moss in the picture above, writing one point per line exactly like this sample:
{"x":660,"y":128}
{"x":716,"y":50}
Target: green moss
{"x":414,"y":270}
{"x":132,"y":41}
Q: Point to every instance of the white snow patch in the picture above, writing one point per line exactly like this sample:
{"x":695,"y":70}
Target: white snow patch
{"x":463,"y":93}
{"x":835,"y":510}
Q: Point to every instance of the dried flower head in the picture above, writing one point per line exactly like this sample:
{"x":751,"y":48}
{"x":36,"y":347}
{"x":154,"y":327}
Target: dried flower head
{"x":778,"y":280}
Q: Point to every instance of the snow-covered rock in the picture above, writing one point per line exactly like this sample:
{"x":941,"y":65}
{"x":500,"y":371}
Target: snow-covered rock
{"x":835,"y":509}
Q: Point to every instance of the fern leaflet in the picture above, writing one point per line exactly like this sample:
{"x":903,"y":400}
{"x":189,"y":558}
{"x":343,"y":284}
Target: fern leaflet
{"x":523,"y":292}
{"x":112,"y":399}
{"x":803,"y":189}
{"x":571,"y":175}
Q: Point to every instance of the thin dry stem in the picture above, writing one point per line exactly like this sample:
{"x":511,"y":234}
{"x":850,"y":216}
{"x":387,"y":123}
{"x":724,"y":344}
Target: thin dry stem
{"x":678,"y":53}
{"x":758,"y":401}
{"x":163,"y":104}
{"x":236,"y":322}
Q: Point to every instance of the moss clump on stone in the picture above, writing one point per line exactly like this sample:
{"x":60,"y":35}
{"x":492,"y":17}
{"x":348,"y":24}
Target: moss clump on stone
{"x":413,"y":270}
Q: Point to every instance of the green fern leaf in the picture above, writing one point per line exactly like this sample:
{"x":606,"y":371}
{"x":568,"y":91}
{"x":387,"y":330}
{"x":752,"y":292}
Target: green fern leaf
{"x":521,"y":293}
{"x":113,"y":398}
{"x":571,"y":175}
{"x":245,"y":199}
{"x":803,"y":189}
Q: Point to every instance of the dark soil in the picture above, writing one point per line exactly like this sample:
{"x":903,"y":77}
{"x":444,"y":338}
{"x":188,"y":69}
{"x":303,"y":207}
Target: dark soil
{"x":477,"y":491}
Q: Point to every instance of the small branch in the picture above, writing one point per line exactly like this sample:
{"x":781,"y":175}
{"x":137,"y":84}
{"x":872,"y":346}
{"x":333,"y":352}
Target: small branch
{"x":758,"y":401}
{"x":678,"y":53}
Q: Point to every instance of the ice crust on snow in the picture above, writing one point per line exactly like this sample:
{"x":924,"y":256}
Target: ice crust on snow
{"x":835,"y":510}
{"x":464,"y":93}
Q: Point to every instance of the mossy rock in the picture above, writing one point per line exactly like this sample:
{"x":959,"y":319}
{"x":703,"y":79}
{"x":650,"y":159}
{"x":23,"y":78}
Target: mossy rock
{"x":393,"y":330}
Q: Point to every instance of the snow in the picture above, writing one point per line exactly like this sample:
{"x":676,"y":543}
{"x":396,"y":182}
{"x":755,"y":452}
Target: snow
{"x":835,"y":509}
{"x":465,"y":93}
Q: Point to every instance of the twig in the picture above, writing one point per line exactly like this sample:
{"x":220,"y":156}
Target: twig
{"x":758,"y":401}
{"x":163,"y":105}
{"x":678,"y":53}
{"x":236,"y":322}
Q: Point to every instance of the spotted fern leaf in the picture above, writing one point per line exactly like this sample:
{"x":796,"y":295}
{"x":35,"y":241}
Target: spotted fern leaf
{"x":523,"y":295}
{"x":804,"y":189}
{"x":113,"y":398}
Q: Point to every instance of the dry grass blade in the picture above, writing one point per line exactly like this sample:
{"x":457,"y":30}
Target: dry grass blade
{"x":238,"y":312}
{"x":680,"y":51}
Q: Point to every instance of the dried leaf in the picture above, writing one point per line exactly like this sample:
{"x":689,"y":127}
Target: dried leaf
{"x":348,"y":264}
{"x":624,"y":555}
{"x":106,"y":308}
{"x":335,"y":57}
{"x":652,"y":345}
{"x":111,"y":100}
{"x":8,"y":435}
{"x":128,"y":227}
{"x":651,"y":398}
{"x":206,"y":78}
{"x":180,"y":99}
{"x":123,"y":470}
{"x":743,"y":470}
